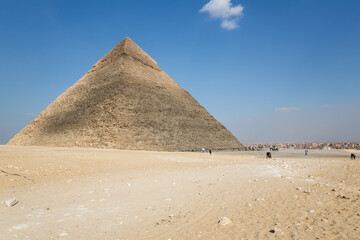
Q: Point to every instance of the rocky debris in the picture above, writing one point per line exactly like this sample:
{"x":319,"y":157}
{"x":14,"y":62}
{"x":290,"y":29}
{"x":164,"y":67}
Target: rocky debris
{"x":311,"y":211}
{"x":11,"y":202}
{"x":225,"y":221}
{"x":164,"y":221}
{"x":299,"y":188}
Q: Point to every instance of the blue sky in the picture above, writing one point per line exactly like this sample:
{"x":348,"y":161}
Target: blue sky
{"x":270,"y":71}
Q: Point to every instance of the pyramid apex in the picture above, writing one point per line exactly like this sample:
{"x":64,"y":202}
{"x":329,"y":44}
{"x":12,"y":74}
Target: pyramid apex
{"x":126,"y":39}
{"x":129,"y":48}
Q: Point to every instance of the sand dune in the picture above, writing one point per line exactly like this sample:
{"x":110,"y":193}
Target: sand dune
{"x":67,"y":193}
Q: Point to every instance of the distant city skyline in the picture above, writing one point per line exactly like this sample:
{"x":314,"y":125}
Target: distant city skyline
{"x":325,"y":146}
{"x":271,"y":72}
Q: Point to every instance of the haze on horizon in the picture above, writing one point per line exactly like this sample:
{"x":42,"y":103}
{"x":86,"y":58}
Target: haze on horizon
{"x":284,"y":71}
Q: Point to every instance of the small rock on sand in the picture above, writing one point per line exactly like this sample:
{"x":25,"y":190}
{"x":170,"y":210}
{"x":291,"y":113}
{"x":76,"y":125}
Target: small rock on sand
{"x":276,"y":230}
{"x":307,"y":190}
{"x":342,"y":196}
{"x":20,"y":226}
{"x":11,"y":202}
{"x":225,"y":221}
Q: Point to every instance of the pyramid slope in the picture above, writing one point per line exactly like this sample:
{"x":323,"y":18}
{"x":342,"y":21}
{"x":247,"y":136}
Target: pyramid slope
{"x":126,"y":102}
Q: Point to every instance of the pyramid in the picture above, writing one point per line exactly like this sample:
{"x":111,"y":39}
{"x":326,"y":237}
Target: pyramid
{"x":126,"y":101}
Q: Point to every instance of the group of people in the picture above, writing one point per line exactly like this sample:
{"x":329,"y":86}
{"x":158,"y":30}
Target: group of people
{"x":210,"y":151}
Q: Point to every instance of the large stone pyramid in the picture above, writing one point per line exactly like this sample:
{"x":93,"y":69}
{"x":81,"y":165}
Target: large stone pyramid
{"x":126,"y":102}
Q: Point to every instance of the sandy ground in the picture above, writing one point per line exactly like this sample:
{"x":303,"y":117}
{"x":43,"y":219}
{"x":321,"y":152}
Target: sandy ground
{"x":67,"y":193}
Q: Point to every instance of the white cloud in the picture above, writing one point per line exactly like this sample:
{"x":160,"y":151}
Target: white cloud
{"x":286,"y":109}
{"x":224,"y":10}
{"x":229,"y":24}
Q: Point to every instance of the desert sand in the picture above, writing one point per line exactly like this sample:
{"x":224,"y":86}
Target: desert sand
{"x":80,"y":193}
